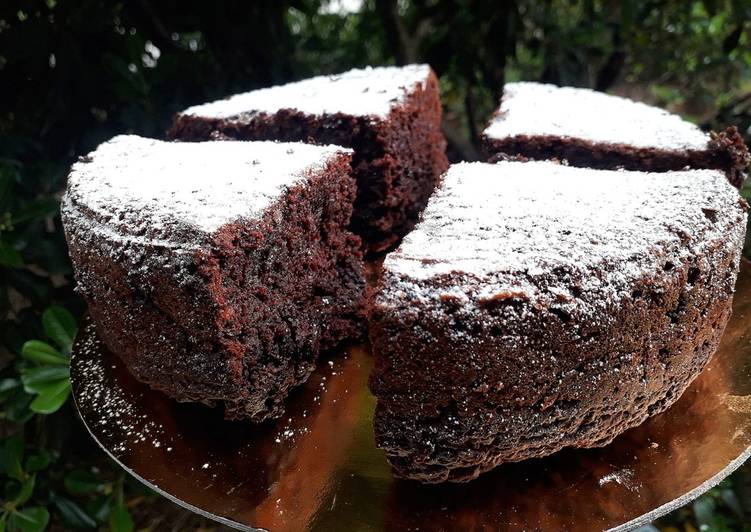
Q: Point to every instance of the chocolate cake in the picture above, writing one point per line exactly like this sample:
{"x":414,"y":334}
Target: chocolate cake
{"x":217,"y":270}
{"x":596,"y":130}
{"x":390,"y":116}
{"x":538,"y":306}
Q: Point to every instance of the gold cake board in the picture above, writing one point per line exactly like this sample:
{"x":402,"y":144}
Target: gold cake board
{"x":317,"y":468}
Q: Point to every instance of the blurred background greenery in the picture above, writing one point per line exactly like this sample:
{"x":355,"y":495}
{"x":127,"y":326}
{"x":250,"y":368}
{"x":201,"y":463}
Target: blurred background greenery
{"x":75,"y":73}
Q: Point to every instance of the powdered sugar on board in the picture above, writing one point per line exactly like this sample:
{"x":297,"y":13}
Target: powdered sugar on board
{"x":147,"y":188}
{"x":537,"y":109}
{"x":369,"y":91}
{"x":623,"y":477}
{"x":118,"y":415}
{"x":530,"y":231}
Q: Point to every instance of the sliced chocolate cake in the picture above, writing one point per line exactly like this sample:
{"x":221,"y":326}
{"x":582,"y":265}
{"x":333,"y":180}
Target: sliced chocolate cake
{"x":217,"y":270}
{"x":538,"y":306}
{"x":390,"y":116}
{"x":596,"y":130}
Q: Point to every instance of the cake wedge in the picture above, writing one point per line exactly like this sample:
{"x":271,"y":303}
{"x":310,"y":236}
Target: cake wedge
{"x":538,"y":306}
{"x":596,"y":130}
{"x":217,"y":270}
{"x":389,"y":116}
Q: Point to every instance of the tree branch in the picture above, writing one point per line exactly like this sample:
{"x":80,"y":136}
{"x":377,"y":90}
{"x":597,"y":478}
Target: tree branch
{"x":402,"y":45}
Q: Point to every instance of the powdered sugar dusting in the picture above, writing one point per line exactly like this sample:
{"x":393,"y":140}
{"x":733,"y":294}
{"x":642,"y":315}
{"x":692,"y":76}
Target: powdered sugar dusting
{"x":368,"y":91}
{"x":623,"y":477}
{"x":512,"y":231}
{"x":119,"y":418}
{"x":536,"y":109}
{"x":149,"y":189}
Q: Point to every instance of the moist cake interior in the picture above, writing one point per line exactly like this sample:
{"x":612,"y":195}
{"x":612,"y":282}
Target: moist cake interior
{"x":390,"y":116}
{"x":221,"y":291}
{"x":293,"y":285}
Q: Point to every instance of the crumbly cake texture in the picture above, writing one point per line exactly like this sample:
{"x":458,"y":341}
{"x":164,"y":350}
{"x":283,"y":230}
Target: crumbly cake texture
{"x":596,"y":130}
{"x":390,"y":116}
{"x":218,"y":270}
{"x":538,"y":306}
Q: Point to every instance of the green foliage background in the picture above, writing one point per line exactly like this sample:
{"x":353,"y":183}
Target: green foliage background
{"x":75,"y":73}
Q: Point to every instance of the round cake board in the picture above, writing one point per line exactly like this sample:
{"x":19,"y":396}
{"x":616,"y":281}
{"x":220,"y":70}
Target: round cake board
{"x":317,"y":468}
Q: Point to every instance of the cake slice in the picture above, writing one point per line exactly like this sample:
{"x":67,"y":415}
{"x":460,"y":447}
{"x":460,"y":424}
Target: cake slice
{"x":596,"y":130}
{"x":217,"y":270}
{"x":390,"y":116}
{"x":538,"y":306}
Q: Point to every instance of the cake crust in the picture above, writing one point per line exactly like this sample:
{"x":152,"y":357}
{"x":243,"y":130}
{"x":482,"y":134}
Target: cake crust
{"x":389,"y":116}
{"x":217,"y":271}
{"x":564,"y":318}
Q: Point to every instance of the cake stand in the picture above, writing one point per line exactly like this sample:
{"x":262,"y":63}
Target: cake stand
{"x":318,"y":469}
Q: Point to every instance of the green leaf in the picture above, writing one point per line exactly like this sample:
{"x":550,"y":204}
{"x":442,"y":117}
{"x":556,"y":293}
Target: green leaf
{"x":12,"y":457}
{"x":628,"y":13}
{"x":36,"y":380}
{"x":39,"y":461}
{"x":73,"y":514}
{"x":731,"y":501}
{"x":7,"y":385}
{"x":43,"y":353}
{"x":9,"y":256}
{"x":38,"y":210}
{"x":27,"y":489}
{"x":51,"y":399}
{"x":2,"y":522}
{"x":60,"y":326}
{"x":120,"y":520}
{"x":100,"y":508}
{"x":32,"y":519}
{"x":17,"y":406}
{"x":704,"y":508}
{"x":82,"y":482}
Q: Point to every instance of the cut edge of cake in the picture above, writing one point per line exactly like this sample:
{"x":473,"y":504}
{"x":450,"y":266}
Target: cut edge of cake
{"x":395,"y":132}
{"x":232,"y":313}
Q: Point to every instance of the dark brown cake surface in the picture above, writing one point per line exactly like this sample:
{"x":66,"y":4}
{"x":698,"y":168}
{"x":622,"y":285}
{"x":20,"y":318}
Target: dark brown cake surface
{"x":390,"y":116}
{"x":597,"y":130}
{"x":217,"y":271}
{"x":538,"y":306}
